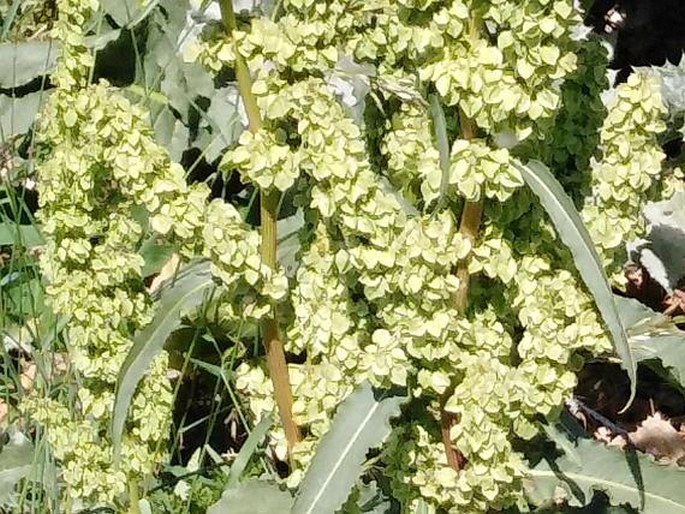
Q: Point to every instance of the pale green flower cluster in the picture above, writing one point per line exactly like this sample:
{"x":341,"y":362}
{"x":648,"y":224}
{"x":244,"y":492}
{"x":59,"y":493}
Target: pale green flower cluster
{"x":493,"y":398}
{"x":559,"y":320}
{"x":251,"y":287}
{"x":412,"y":160}
{"x":623,"y":179}
{"x":103,"y":183}
{"x":264,"y":161}
{"x":99,"y":161}
{"x":373,"y":298}
{"x":570,"y":144}
{"x":514,"y":83}
{"x":477,"y":170}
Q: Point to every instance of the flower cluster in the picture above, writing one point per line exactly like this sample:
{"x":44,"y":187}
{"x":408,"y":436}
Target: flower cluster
{"x":374,"y":295}
{"x":251,"y":287}
{"x":513,"y":84}
{"x":373,"y":298}
{"x":623,"y":178}
{"x":99,"y":162}
{"x":104,"y":183}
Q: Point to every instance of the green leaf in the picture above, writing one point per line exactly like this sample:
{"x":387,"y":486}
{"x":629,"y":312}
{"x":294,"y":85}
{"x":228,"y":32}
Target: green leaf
{"x":662,"y":251}
{"x":223,"y":114}
{"x":102,"y":39}
{"x":573,"y":233}
{"x":362,"y":422}
{"x":252,"y":497}
{"x":249,"y":447}
{"x":653,"y":336}
{"x":171,"y":133}
{"x":440,"y":129}
{"x":174,"y":299}
{"x":155,"y":256}
{"x":17,"y":114}
{"x":624,"y":475}
{"x":128,"y":13}
{"x":20,"y":63}
{"x":16,"y":462}
{"x":288,"y":230}
{"x":12,"y":233}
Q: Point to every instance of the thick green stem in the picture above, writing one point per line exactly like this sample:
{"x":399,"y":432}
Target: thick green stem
{"x":275,"y":355}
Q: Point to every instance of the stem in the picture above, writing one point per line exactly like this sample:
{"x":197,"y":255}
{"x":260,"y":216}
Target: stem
{"x":455,"y":459}
{"x":133,"y":505}
{"x":468,"y":228}
{"x":275,"y":355}
{"x":242,"y":74}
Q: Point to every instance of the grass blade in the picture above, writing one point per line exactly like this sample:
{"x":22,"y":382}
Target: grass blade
{"x":248,"y":449}
{"x":440,"y":128}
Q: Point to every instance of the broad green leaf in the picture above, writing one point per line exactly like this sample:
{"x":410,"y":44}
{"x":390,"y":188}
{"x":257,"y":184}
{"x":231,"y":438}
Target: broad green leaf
{"x":573,"y":233}
{"x":20,"y":63}
{"x":11,"y":233}
{"x":16,"y":461}
{"x":653,"y":336}
{"x":362,"y":422}
{"x":223,"y":114}
{"x":102,"y":39}
{"x":187,"y":291}
{"x":624,"y":475}
{"x":662,"y":251}
{"x":17,"y":114}
{"x":440,"y":130}
{"x":172,"y":133}
{"x":128,"y":13}
{"x":288,"y":230}
{"x":252,"y":497}
{"x":249,"y":447}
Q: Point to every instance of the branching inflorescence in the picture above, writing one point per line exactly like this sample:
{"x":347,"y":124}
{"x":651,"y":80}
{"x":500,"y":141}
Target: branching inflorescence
{"x":374,"y":297}
{"x":103,"y":182}
{"x":384,"y":255}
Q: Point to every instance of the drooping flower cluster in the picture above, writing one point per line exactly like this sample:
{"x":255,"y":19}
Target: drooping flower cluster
{"x":373,"y":297}
{"x":99,"y":163}
{"x":104,"y":183}
{"x":624,"y":178}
